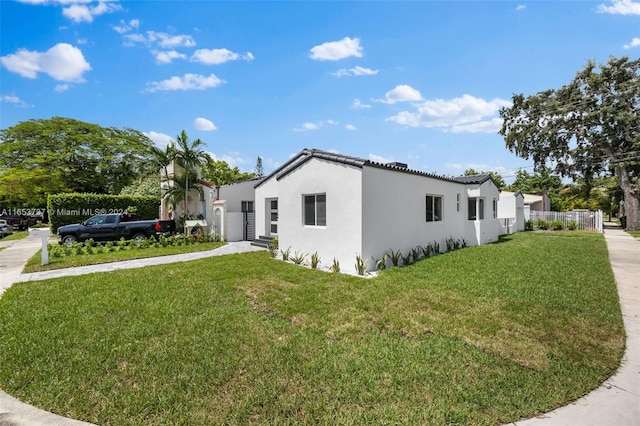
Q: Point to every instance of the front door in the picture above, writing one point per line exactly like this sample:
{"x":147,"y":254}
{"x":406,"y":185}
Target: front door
{"x":273,"y":217}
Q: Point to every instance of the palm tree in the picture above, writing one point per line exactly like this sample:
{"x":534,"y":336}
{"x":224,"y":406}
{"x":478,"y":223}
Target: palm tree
{"x":176,"y":190}
{"x":161,"y":159}
{"x":189,"y":155}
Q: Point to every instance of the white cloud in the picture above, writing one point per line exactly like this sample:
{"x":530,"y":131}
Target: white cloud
{"x":233,"y":159}
{"x":464,"y":114}
{"x":61,"y":88}
{"x":160,"y":139}
{"x":401,"y":93}
{"x":62,"y":62}
{"x":380,"y":159}
{"x":359,"y":105}
{"x":336,"y":50}
{"x":161,"y":39}
{"x":166,"y":57}
{"x":350,"y":127}
{"x":306,"y":126}
{"x":82,"y":13}
{"x":621,"y":7}
{"x":10,"y":99}
{"x":314,"y":126}
{"x":125,"y":27}
{"x":634,"y":43}
{"x":521,"y":7}
{"x":355,"y":71}
{"x":218,"y":56}
{"x":204,"y":124}
{"x":186,"y":82}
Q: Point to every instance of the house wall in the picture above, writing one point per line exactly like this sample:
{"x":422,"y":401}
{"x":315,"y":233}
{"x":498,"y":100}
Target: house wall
{"x":342,"y":235}
{"x":235,"y":193}
{"x":263,"y":194}
{"x":511,"y":209}
{"x":394,"y":206}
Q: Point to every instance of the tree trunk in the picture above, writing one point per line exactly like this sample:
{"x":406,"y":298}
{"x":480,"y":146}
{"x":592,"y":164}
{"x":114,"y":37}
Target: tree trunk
{"x":631,"y":200}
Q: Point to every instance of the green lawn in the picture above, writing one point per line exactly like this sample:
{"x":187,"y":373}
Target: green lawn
{"x":34,"y":264}
{"x":634,"y":234}
{"x":483,"y":335}
{"x":17,"y":235}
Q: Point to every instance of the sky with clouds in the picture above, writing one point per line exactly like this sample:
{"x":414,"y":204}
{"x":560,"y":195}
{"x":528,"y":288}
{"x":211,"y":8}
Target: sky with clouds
{"x":417,"y":82}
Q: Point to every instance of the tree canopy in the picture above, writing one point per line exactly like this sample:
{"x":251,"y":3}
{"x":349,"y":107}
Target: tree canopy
{"x":218,"y":172}
{"x":44,"y":156}
{"x":586,"y":128}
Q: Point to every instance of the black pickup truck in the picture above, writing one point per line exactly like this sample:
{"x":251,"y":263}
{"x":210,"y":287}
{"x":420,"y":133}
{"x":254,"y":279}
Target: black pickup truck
{"x":112,"y":227}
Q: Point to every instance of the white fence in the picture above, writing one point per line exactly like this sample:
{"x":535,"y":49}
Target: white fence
{"x":585,"y":220}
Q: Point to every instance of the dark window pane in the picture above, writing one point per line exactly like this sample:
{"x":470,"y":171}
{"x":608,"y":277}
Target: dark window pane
{"x":472,"y":209}
{"x":437,"y":210}
{"x":429,"y":208}
{"x":309,"y":210}
{"x":481,"y":208}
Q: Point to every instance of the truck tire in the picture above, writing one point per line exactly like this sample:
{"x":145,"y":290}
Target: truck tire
{"x":139,"y":238}
{"x":69,"y":240}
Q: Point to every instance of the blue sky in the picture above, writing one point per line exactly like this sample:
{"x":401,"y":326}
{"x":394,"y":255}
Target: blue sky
{"x":418,"y":82}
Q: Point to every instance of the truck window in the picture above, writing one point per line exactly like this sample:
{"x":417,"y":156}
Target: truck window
{"x":111,"y":219}
{"x":96,"y":220}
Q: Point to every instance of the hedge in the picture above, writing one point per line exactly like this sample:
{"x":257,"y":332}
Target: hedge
{"x":67,"y":208}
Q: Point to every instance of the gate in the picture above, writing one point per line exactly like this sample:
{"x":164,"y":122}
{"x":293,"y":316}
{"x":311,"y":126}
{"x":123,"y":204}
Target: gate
{"x":249,"y":226}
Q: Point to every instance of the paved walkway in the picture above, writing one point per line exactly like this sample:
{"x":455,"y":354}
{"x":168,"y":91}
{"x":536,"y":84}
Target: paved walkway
{"x":616,"y":402}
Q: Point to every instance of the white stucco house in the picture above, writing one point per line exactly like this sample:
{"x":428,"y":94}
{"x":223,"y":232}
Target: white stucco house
{"x":341,"y":206}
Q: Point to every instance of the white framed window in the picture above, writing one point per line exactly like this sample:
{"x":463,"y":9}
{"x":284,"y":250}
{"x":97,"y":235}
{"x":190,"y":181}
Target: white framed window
{"x":495,"y":208}
{"x":247,"y":206}
{"x":314,"y":211}
{"x":481,"y":208}
{"x":434,"y":208}
{"x":458,"y":202}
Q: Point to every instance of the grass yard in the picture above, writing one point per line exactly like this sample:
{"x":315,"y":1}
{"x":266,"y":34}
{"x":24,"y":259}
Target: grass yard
{"x":634,"y":234}
{"x":17,"y":235}
{"x":484,"y":335}
{"x":33,"y":265}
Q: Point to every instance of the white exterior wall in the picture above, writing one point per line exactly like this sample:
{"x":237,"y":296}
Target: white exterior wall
{"x":394,"y":206}
{"x":341,"y":237}
{"x":487,"y":230}
{"x":264,"y":193}
{"x":235,"y":193}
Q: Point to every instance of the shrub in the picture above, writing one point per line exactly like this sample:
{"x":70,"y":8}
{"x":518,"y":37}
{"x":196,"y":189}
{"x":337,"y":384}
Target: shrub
{"x":273,"y":249}
{"x":361,"y":265}
{"x":557,"y":225}
{"x":542,"y":224}
{"x":335,"y":267}
{"x":395,"y":257}
{"x":528,"y":225}
{"x":315,"y":260}
{"x":382,"y":262}
{"x":286,"y":253}
{"x":571,"y":225}
{"x":406,"y":260}
{"x":298,"y":258}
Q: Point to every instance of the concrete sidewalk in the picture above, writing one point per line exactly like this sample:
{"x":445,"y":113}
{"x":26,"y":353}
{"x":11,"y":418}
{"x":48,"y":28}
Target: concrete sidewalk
{"x":616,"y":402}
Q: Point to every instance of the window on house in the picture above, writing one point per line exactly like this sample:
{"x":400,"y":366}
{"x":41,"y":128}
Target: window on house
{"x":434,"y":208}
{"x":457,"y":202}
{"x":495,"y":208}
{"x":471,"y":209}
{"x":481,"y":208}
{"x":315,"y":210}
{"x":247,"y":206}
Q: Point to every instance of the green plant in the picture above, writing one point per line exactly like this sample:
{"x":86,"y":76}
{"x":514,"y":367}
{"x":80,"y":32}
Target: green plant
{"x":436,"y":247}
{"x":571,"y":225}
{"x":395,"y":257}
{"x":361,"y":265}
{"x":557,"y":225}
{"x":542,"y":224}
{"x":315,"y":260}
{"x":406,"y":260}
{"x":286,"y":253}
{"x":335,"y":266}
{"x":273,"y":249}
{"x":450,"y":243}
{"x":298,"y":258}
{"x":415,"y":253}
{"x":427,"y":251}
{"x":381,"y":263}
{"x":528,"y":225}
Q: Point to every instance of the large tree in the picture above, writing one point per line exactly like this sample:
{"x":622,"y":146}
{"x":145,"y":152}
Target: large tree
{"x":43,"y":156}
{"x":586,"y":128}
{"x":218,"y":172}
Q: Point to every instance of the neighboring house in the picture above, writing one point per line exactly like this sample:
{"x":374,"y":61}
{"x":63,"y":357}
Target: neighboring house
{"x":234,"y":216}
{"x":511,"y":212}
{"x":538,"y":201}
{"x":342,"y":207}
